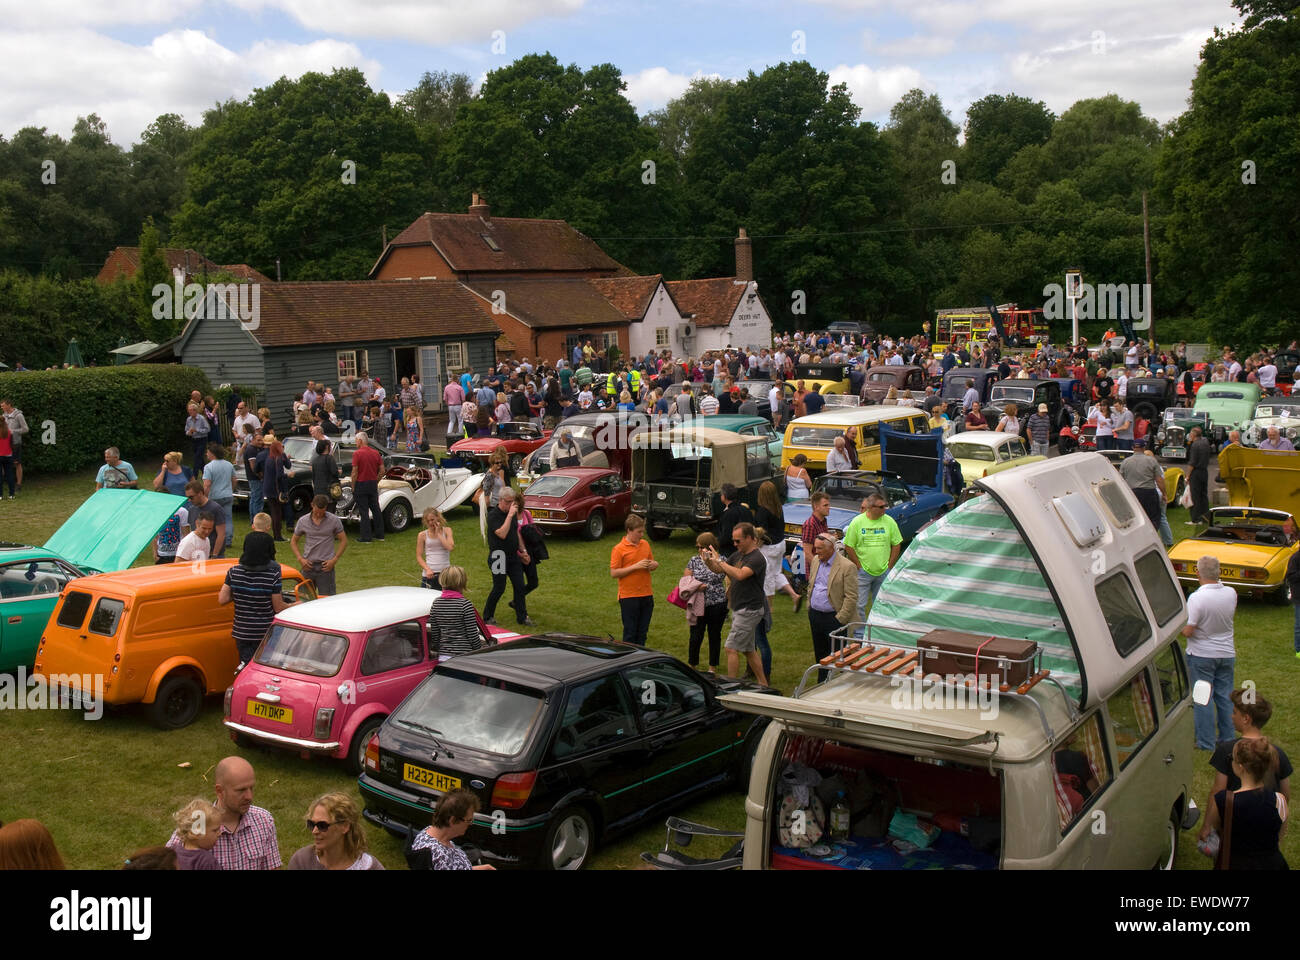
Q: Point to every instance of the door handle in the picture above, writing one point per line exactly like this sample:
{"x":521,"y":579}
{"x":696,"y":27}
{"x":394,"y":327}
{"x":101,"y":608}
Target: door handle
{"x":1169,"y":758}
{"x":15,"y":620}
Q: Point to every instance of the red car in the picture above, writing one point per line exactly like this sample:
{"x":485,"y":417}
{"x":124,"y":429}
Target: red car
{"x":585,"y":499}
{"x":518,"y":440}
{"x":1200,"y":373}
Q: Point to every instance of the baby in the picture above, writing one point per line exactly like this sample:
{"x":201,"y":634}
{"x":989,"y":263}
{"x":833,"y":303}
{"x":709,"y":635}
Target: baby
{"x":198,"y":824}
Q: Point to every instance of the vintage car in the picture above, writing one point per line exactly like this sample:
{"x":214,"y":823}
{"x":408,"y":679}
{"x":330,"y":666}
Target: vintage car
{"x":955,"y":385}
{"x":589,"y":500}
{"x":1026,"y":395}
{"x":1150,"y":397}
{"x":330,"y":671}
{"x":300,"y":450}
{"x":518,"y":440}
{"x":911,"y":481}
{"x":982,"y":453}
{"x":1200,"y":376}
{"x":881,"y":377}
{"x":1175,"y":424}
{"x":829,"y":377}
{"x":678,"y":473}
{"x":410,"y":485}
{"x":565,"y":740}
{"x":603,"y":440}
{"x":1281,"y":412}
{"x":814,"y":435}
{"x":1175,"y":481}
{"x":1073,"y":392}
{"x":1230,"y":405}
{"x":106,"y":533}
{"x":1087,"y":716}
{"x":157,"y":635}
{"x":1255,"y":536}
{"x":746,"y":427}
{"x":1286,"y":362}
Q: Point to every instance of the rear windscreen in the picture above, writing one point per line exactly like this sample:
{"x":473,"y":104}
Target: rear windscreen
{"x":106,"y":616}
{"x":814,"y":436}
{"x":303,"y":651}
{"x":472,"y":710}
{"x":73,"y":612}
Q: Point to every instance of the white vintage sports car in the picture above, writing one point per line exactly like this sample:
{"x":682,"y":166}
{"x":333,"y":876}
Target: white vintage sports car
{"x":409,"y":487}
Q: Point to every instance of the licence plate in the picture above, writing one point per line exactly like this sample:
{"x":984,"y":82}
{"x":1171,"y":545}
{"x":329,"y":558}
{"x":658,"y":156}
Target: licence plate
{"x":428,"y":778}
{"x":268,"y":711}
{"x":542,"y":514}
{"x":793,"y":528}
{"x":1171,"y":452}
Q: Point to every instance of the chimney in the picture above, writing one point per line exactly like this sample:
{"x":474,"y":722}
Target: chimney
{"x":480,"y":207}
{"x":744,"y":256}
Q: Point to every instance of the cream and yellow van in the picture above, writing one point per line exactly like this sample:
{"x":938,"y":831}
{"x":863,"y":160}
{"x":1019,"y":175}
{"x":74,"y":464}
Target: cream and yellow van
{"x":814,"y":435}
{"x":1077,"y":753}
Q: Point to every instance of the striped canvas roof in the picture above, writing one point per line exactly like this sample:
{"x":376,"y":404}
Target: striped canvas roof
{"x":970,"y":571}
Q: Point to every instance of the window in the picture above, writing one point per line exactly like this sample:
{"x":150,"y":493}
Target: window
{"x":491,"y":244}
{"x":1132,"y":718}
{"x":1171,"y":674}
{"x":353,"y":362}
{"x":300,"y":650}
{"x":596,"y":715}
{"x":107,"y":613}
{"x":1080,"y":769}
{"x":456,"y":353}
{"x":482,"y":713}
{"x":1128,"y":624}
{"x":32,"y":578}
{"x":663,"y":692}
{"x":1115,"y":500}
{"x":661,"y":336}
{"x":1163,"y":594}
{"x":391,"y":648}
{"x":608,"y":340}
{"x":896,"y":491}
{"x":73,"y":612}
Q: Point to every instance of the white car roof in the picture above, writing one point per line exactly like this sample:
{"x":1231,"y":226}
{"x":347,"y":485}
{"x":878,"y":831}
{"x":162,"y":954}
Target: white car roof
{"x":855,"y":415}
{"x":983,"y":438}
{"x":361,"y":610}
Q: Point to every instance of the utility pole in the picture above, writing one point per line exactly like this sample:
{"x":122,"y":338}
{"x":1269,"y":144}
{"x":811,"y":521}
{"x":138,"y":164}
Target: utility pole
{"x":1146,"y":239}
{"x":277,"y":269}
{"x":383,"y":233}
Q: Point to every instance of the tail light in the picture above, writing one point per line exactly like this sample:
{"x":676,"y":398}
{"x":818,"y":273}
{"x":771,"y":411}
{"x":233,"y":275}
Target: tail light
{"x":1254,"y":573}
{"x":1180,"y":567}
{"x":229,"y":700}
{"x":324,"y":720}
{"x":372,"y":752}
{"x":512,"y":790}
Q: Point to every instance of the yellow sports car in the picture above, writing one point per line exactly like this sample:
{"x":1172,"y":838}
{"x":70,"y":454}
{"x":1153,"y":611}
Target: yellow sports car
{"x":1255,"y":537}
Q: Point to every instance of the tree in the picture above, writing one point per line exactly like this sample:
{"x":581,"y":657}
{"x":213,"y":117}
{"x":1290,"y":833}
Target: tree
{"x":433,"y":102}
{"x":674,"y":124}
{"x":153,"y":270}
{"x":997,"y":128}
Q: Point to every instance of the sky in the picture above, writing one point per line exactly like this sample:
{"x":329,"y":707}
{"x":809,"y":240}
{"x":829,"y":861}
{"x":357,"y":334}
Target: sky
{"x":130,"y":60}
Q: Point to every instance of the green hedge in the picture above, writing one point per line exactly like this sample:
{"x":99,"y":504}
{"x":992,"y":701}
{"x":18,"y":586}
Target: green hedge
{"x":138,"y":409}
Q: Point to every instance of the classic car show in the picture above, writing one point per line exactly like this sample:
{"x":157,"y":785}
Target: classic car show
{"x":650,"y":451}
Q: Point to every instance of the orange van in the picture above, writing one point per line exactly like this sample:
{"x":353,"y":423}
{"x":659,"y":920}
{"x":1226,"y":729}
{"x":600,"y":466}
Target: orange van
{"x":157,"y":636}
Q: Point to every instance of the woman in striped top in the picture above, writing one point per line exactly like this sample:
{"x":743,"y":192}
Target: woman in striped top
{"x":455,"y":627}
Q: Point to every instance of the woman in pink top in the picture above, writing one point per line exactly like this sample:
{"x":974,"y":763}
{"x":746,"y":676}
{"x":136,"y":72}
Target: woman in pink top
{"x":6,"y":459}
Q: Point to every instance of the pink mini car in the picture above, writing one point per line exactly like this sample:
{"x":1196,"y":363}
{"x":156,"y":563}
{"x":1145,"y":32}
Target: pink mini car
{"x":332,"y":669}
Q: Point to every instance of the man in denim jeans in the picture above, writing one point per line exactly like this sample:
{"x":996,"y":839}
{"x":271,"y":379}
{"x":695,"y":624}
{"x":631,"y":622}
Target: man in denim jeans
{"x":1211,"y":653}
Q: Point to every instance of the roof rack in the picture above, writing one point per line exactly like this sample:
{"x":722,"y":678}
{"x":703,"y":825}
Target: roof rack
{"x":855,"y":652}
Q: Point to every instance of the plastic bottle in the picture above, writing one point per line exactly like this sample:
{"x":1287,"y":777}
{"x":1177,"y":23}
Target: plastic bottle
{"x":840,"y":816}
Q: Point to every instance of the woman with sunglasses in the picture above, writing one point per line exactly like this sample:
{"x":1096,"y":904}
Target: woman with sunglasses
{"x":432,"y":847}
{"x":338,"y":838}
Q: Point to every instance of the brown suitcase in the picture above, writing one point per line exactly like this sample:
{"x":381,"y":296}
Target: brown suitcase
{"x":950,"y":652}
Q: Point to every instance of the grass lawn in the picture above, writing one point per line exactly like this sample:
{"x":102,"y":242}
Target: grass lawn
{"x":105,"y":789}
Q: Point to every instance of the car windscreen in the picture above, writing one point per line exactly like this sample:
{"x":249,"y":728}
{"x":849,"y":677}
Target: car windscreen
{"x":1018,"y":394}
{"x":814,"y":436}
{"x":301,"y":650}
{"x":471,"y":710}
{"x":971,"y":451}
{"x":299,"y":448}
{"x":552,"y":486}
{"x":1277,"y":410}
{"x":1209,"y":393}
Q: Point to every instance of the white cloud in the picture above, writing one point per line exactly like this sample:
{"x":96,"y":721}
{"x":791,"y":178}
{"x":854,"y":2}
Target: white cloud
{"x":65,"y":14}
{"x":920,"y":46}
{"x":437,"y":22}
{"x":653,"y":87}
{"x":128,"y":86}
{"x":876,"y":90}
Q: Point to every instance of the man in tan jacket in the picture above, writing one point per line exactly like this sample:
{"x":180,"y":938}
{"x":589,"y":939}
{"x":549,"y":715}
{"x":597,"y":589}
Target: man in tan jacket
{"x":832,"y":593}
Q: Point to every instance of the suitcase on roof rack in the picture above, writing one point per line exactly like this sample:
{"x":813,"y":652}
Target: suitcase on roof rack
{"x":950,"y":652}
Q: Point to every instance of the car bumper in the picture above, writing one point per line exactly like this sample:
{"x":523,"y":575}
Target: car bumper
{"x":559,"y":524}
{"x":279,"y":740}
{"x":501,"y":842}
{"x":1253,"y":587}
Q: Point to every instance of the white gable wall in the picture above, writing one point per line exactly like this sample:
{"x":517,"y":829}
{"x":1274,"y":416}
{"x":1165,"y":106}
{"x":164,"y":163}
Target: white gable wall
{"x":660,"y":315}
{"x":750,"y":326}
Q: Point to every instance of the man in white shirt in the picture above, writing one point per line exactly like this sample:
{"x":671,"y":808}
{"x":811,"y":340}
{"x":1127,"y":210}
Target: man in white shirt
{"x":895,"y":359}
{"x":1121,"y":384}
{"x":1267,"y":375}
{"x":1211,"y":654}
{"x":838,"y":459}
{"x":1131,"y":356}
{"x":195,"y":545}
{"x":774,"y":403}
{"x":1234,"y":367}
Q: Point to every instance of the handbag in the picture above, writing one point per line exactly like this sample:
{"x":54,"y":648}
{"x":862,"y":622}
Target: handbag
{"x":675,"y":598}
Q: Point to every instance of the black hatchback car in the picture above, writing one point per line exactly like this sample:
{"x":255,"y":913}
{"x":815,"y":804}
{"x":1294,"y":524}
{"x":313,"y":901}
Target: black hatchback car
{"x":564,"y":739}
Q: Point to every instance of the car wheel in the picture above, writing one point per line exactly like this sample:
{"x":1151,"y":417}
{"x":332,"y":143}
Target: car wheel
{"x":357,"y":749}
{"x":177,"y":702}
{"x":659,"y":533}
{"x":398,"y":516}
{"x":1282,"y":595}
{"x":594,"y":528}
{"x":516,"y":462}
{"x":300,"y":501}
{"x":570,"y":839}
{"x":1169,"y":852}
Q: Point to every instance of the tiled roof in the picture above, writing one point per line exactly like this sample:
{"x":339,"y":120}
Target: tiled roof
{"x":712,"y":301}
{"x":293,"y":314}
{"x":126,"y":260}
{"x":631,"y":296}
{"x":523,"y":245}
{"x":553,"y":303}
{"x":244,"y":272}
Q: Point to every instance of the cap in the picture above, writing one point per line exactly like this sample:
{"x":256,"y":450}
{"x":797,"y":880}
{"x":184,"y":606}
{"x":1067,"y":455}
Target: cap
{"x":1139,"y":442}
{"x":1042,"y":408}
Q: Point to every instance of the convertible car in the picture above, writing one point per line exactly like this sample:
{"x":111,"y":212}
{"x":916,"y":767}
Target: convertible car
{"x":518,"y":440}
{"x":1280,"y":412}
{"x":1255,"y":537}
{"x":411,"y":485}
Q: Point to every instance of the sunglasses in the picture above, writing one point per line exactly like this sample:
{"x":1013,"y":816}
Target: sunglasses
{"x":321,"y":825}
